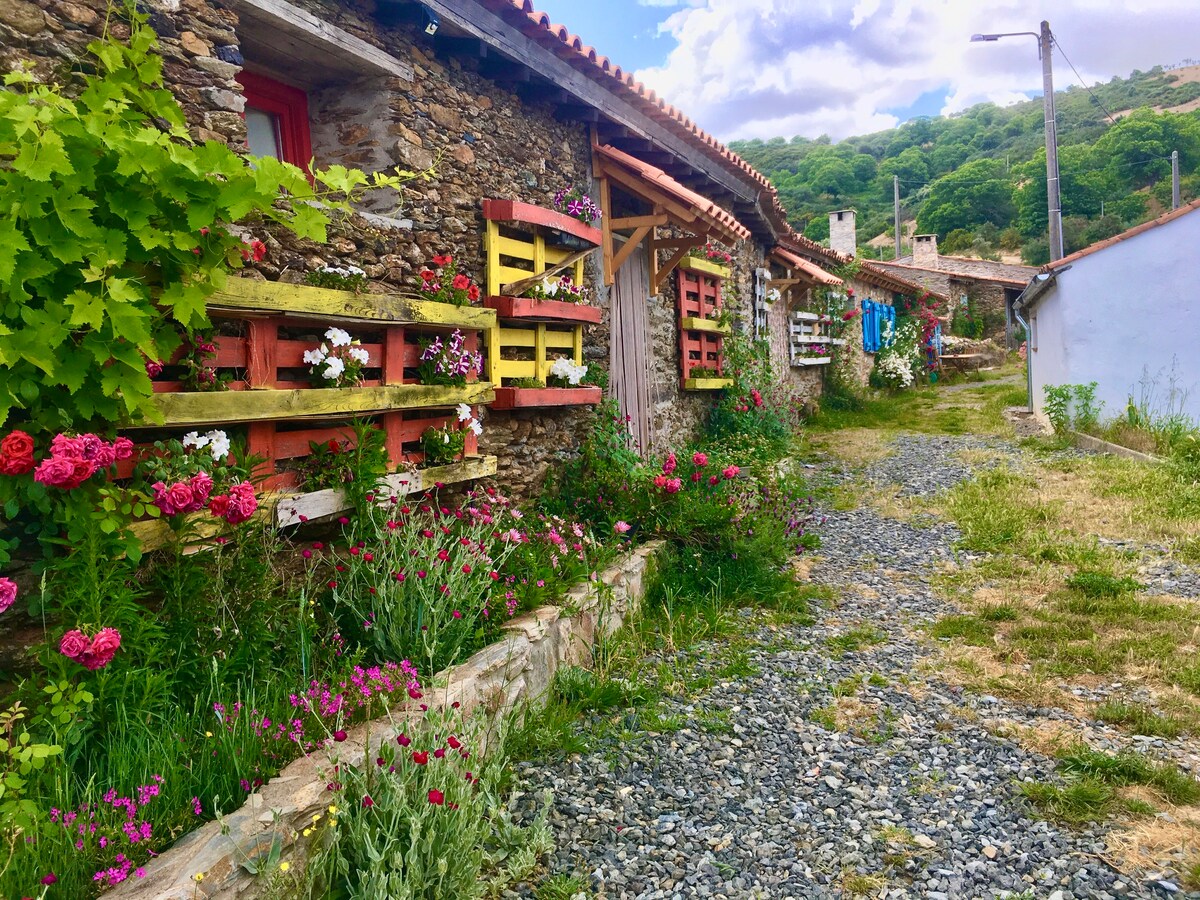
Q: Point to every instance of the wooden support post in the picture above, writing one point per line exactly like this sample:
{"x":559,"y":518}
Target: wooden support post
{"x":491,"y":244}
{"x":630,"y":245}
{"x":539,"y":253}
{"x":610,"y":272}
{"x":577,"y":344}
{"x":470,"y":440}
{"x":393,"y":429}
{"x":492,"y":339}
{"x":260,"y":441}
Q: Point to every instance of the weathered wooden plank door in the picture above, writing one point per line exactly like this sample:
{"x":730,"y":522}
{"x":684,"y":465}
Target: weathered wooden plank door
{"x":628,"y":363}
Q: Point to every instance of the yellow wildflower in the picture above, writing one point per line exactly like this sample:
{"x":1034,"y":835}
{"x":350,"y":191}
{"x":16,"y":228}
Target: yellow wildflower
{"x":333,"y":810}
{"x":199,"y":876}
{"x":284,"y":866}
{"x":307,"y":832}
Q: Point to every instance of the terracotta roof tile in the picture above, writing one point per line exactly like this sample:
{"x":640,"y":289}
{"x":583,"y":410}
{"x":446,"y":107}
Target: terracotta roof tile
{"x":1124,"y":235}
{"x":812,"y":270}
{"x":538,"y":26}
{"x":720,"y":219}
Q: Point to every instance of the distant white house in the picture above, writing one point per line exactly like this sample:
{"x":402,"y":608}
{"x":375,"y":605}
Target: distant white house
{"x":1124,"y":313}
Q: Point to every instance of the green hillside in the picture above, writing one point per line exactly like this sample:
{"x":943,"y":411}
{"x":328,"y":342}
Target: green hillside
{"x":978,"y":179}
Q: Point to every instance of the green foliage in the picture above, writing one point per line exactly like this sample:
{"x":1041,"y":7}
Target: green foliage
{"x":1072,"y":407}
{"x":117,"y":230}
{"x":1122,"y":164}
{"x":442,"y":446}
{"x":756,"y":417}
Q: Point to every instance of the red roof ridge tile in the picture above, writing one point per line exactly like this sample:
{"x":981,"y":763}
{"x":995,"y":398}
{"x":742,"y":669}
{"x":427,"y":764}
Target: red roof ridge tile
{"x":1124,"y":235}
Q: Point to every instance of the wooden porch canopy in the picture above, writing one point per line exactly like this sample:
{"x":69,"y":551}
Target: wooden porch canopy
{"x":672,"y":204}
{"x":800,"y":271}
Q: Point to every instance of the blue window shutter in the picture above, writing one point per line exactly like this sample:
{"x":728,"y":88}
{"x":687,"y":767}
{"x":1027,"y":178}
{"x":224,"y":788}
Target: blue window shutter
{"x":866,"y":325}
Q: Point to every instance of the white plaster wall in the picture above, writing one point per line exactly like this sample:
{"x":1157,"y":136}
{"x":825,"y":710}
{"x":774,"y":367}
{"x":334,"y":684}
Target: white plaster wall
{"x":1127,"y":313}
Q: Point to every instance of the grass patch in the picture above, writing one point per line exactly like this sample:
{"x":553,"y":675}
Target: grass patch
{"x":854,"y":639}
{"x":1077,"y":803}
{"x":1139,"y":719}
{"x":1128,"y":768}
{"x":1101,"y":585}
{"x":971,"y":630}
{"x":561,"y":887}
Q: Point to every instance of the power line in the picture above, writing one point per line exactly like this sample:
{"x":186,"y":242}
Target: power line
{"x":1080,"y":79}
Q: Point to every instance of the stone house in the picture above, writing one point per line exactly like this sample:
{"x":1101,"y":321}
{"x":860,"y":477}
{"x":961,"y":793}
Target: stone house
{"x":496,"y":105}
{"x":981,"y":288}
{"x":1123,"y":313}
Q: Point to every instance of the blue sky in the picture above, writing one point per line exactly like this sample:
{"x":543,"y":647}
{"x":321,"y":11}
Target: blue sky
{"x":762,"y":68}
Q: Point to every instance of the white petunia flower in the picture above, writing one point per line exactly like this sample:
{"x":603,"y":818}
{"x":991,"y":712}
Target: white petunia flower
{"x":334,"y":368}
{"x":193,"y":440}
{"x":565,"y":369}
{"x":314,"y":357}
{"x":358,"y":354}
{"x":218,"y":444}
{"x":338,"y":337}
{"x":474,"y":427}
{"x":464,"y":412}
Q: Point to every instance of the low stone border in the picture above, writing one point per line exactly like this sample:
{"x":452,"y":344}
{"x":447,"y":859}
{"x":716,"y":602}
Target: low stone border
{"x":1094,"y":444}
{"x":519,"y":666}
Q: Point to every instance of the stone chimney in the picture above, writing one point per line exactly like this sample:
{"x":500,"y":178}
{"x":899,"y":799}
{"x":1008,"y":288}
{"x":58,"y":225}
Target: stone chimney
{"x":925,"y":252}
{"x":843,"y":236}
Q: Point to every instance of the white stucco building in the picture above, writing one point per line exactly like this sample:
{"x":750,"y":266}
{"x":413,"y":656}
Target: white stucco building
{"x":1124,"y":313}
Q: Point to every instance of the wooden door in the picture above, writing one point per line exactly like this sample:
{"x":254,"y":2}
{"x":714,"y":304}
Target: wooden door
{"x":628,"y":362}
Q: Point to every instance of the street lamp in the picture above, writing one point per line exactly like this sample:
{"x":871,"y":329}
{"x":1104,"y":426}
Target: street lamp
{"x":1053,"y":198}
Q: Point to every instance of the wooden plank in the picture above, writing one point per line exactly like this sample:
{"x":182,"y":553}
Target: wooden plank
{"x":507,"y":246}
{"x":515,"y":368}
{"x":235,"y":406}
{"x":539,"y":352}
{"x":526,"y":398}
{"x":491,"y":250}
{"x":628,"y":222}
{"x":262,"y":357}
{"x":695,"y":323}
{"x":577,"y":344}
{"x":696,"y":264}
{"x":560,"y":340}
{"x":610,"y":273}
{"x":630,"y":245}
{"x":527,"y":213}
{"x":327,"y":41}
{"x":519,"y":287}
{"x":639,"y":187}
{"x":517,"y":337}
{"x":550,"y":310}
{"x":253,"y":295}
{"x":706,"y":384}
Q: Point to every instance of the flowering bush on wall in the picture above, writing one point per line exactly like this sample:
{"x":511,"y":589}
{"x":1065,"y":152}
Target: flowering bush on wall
{"x":443,"y":283}
{"x":197,"y":473}
{"x":339,"y":361}
{"x":448,"y":361}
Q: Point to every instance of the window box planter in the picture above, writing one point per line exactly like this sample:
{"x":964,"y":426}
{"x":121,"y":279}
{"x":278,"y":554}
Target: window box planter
{"x":706,"y":384}
{"x":708,"y":267}
{"x":558,"y":224}
{"x":712,"y":326}
{"x":812,"y":361}
{"x":527,"y":398}
{"x":544,"y":310}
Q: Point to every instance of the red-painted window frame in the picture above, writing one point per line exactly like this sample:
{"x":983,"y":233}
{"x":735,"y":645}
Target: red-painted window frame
{"x":290,"y":105}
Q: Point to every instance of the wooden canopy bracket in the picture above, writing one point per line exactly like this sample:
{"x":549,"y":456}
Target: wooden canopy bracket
{"x":659,"y":274}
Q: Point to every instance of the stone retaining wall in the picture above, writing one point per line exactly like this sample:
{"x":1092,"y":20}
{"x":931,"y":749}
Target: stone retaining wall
{"x":521,"y":666}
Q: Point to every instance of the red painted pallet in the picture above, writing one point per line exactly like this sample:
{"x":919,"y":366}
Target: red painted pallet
{"x":699,"y":297}
{"x":543,"y":310}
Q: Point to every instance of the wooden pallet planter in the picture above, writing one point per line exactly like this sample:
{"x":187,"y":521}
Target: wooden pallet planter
{"x":706,"y":384}
{"x":529,"y":309}
{"x":701,"y":336}
{"x":527,"y":398}
{"x":707,"y":266}
{"x":524,"y":241}
{"x":286,"y":508}
{"x":263,"y":330}
{"x":806,"y":329}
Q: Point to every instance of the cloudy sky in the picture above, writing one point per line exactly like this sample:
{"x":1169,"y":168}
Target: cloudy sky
{"x":763,"y":68}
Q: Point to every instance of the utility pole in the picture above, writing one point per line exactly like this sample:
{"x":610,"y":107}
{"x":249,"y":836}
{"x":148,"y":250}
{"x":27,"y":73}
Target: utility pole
{"x":1053,"y":197}
{"x":1174,"y":179}
{"x":896,"y":210}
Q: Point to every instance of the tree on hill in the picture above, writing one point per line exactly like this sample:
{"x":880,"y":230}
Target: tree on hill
{"x":974,"y":194}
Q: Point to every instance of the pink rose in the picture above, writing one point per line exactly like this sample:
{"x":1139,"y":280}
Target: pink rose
{"x":242,"y":503}
{"x":219,"y":505}
{"x":153,"y":369}
{"x":70,"y":447}
{"x":674,"y":485}
{"x":731,"y":472}
{"x":669,"y":465}
{"x":660,"y":481}
{"x":180,"y":497}
{"x":201,"y":484}
{"x":621,"y":527}
{"x":73,"y":644}
{"x":123,"y":448}
{"x":55,"y":471}
{"x":699,"y":459}
{"x":8,"y":593}
{"x":104,"y":647}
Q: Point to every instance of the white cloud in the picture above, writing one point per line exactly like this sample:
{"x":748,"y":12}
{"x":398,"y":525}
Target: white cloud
{"x":762,"y":68}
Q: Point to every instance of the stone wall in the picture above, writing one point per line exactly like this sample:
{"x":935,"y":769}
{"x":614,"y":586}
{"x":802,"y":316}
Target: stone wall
{"x":519,"y":667}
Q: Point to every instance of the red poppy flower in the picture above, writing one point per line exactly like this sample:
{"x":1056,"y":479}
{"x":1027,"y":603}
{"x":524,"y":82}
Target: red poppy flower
{"x":436,"y":797}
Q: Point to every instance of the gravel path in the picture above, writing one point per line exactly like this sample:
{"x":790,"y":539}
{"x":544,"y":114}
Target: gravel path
{"x":832,"y":764}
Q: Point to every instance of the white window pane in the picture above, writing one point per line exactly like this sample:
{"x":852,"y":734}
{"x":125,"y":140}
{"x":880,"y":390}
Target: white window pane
{"x":262,"y":133}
